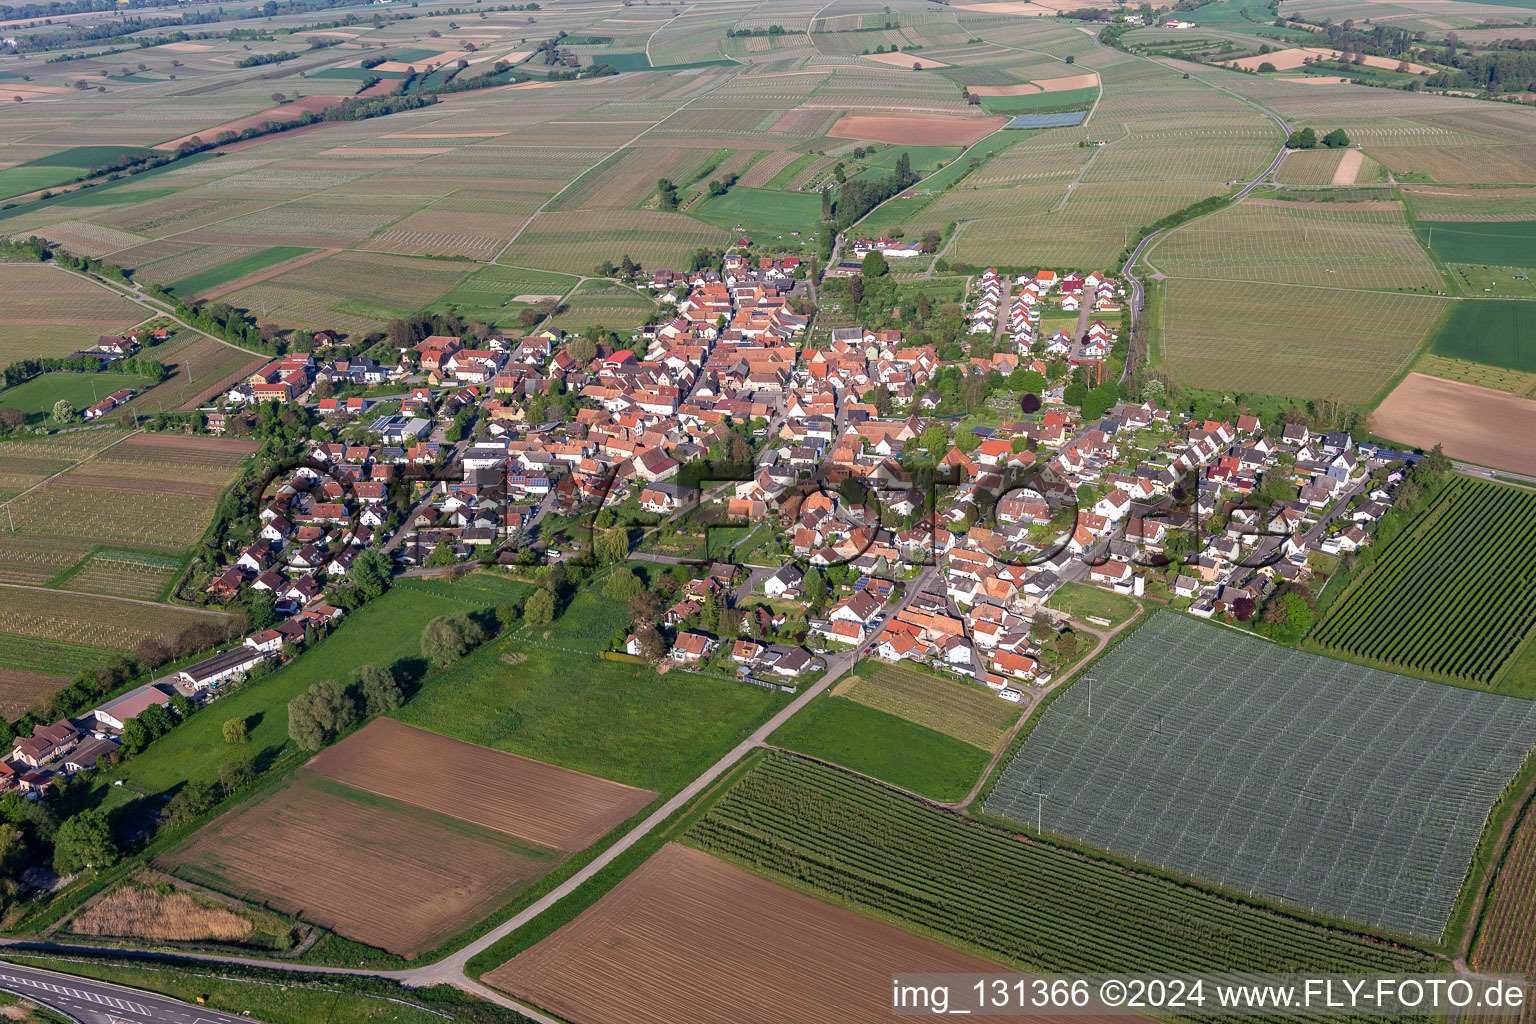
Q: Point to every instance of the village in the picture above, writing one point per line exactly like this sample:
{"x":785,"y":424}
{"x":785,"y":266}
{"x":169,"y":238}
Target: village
{"x":880,"y":528}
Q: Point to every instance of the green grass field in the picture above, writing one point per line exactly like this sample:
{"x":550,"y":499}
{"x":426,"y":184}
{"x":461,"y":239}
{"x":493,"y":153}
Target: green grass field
{"x":51,"y":657}
{"x":872,"y":742}
{"x":1498,"y":332}
{"x":384,"y":632}
{"x":83,"y":390}
{"x":608,"y":718}
{"x":1040,"y":102}
{"x":760,"y":211}
{"x":58,"y":168}
{"x":1080,"y":601}
{"x":259,"y":259}
{"x":1510,"y":243}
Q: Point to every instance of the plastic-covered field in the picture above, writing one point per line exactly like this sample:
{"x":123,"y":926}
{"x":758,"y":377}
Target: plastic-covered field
{"x":1346,"y":790}
{"x":1066,"y":119}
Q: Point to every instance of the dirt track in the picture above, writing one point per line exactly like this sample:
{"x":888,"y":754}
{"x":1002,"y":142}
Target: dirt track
{"x":1490,"y":428}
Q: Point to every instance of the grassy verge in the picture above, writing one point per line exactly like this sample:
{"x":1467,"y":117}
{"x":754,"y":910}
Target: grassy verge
{"x":279,"y":997}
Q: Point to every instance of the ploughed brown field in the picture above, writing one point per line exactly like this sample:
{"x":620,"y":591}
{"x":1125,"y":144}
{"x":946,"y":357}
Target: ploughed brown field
{"x":916,"y":129}
{"x":539,"y":802}
{"x":385,"y":873}
{"x":689,"y":939}
{"x":1506,"y":942}
{"x":1490,"y":428}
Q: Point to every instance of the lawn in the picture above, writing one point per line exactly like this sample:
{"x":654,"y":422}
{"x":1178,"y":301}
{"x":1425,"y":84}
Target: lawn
{"x":37,"y":396}
{"x":259,"y":259}
{"x":612,"y":719}
{"x":384,"y":632}
{"x":1081,"y":601}
{"x":902,"y":753}
{"x":1498,"y":332}
{"x":759,"y":210}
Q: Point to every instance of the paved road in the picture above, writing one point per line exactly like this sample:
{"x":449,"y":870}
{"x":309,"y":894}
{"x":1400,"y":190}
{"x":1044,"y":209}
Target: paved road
{"x":96,"y":1002}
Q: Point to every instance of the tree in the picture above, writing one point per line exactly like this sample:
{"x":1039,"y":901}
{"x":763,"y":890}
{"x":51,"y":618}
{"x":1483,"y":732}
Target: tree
{"x":644,"y":607}
{"x":581,"y":350}
{"x":540,"y":609}
{"x":1265,"y":67}
{"x":318,"y":714}
{"x":63,"y":411}
{"x":1336,"y":139}
{"x":934,"y":438}
{"x":442,"y":556}
{"x":443,"y":641}
{"x":371,"y":573}
{"x":623,"y":584}
{"x":652,"y":646}
{"x":1305,"y":138}
{"x":237,"y":773}
{"x":11,"y":418}
{"x":875,"y":264}
{"x":931,"y":240}
{"x":13,"y":850}
{"x":814,"y":586}
{"x":84,"y":841}
{"x":235,"y":731}
{"x":191,"y":800}
{"x":263,"y":610}
{"x":612,"y":545}
{"x":880,"y":398}
{"x":380,"y":689}
{"x":856,"y":290}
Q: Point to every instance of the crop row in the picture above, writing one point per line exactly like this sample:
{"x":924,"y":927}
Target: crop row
{"x":1450,"y":597}
{"x":1041,"y":906}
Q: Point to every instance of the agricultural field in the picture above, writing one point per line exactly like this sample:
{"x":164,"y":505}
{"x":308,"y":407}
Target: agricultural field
{"x":702,"y":940}
{"x":118,"y":573}
{"x":1506,"y":940}
{"x":154,"y":492}
{"x":537,"y":802}
{"x":495,"y":294}
{"x":1515,"y":382}
{"x":26,"y":463}
{"x":353,"y":291}
{"x":333,"y":856}
{"x":868,"y":738}
{"x":778,"y":219}
{"x":1509,"y":243}
{"x":49,"y":312}
{"x":1200,"y":739}
{"x":1333,"y":245}
{"x":248,"y":262}
{"x":201,"y":368}
{"x":598,"y":304}
{"x":965,"y":711}
{"x":1221,"y":335}
{"x":549,"y":700}
{"x":1474,"y":423}
{"x":577,"y":242}
{"x":1030,"y":904}
{"x":1462,"y":627}
{"x":1497,"y":333}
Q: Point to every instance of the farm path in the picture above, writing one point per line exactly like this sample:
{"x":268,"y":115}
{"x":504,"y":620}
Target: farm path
{"x":1469,"y":934}
{"x":451,"y":969}
{"x":66,"y":469}
{"x":940,"y":254}
{"x":544,"y":206}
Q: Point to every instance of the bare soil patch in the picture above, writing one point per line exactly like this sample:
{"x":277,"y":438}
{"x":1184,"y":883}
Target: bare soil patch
{"x":539,"y":802}
{"x":1285,"y":60}
{"x":1068,"y":82}
{"x":905,"y":60}
{"x":1491,"y":428}
{"x":21,"y":691}
{"x":916,"y":129}
{"x":1022,"y":89}
{"x":285,"y":112}
{"x":375,"y":870}
{"x":696,"y":939}
{"x":1349,"y":166}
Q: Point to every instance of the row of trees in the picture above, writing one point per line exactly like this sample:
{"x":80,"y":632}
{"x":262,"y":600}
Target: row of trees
{"x":327,"y":708}
{"x":1306,"y":138}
